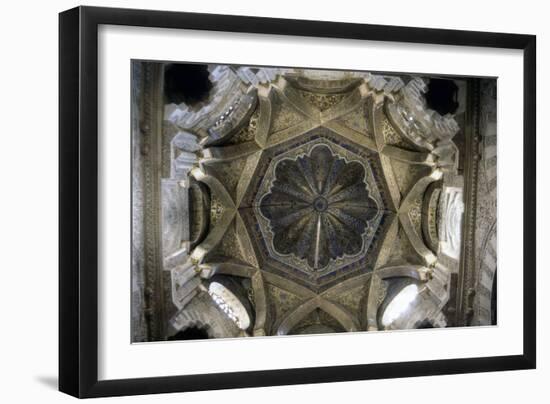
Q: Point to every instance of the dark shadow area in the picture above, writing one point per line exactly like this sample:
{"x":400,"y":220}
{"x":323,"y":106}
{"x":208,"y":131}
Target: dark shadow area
{"x":425,"y":324}
{"x":442,"y":96}
{"x":48,"y":381}
{"x":188,"y":83}
{"x":189,"y":334}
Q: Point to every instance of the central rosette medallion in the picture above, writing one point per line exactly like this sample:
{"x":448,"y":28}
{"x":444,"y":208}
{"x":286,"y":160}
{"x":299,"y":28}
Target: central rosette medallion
{"x":318,"y":207}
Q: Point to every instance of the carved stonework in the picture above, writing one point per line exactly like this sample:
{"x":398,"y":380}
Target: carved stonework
{"x":150,"y":141}
{"x":322,"y":196}
{"x":484,"y":302}
{"x":318,"y":207}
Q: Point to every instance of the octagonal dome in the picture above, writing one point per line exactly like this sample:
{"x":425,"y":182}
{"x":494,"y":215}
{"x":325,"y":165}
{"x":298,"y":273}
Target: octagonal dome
{"x":318,"y":208}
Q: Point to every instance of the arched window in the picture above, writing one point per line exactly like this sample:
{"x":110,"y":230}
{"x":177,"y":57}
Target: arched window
{"x":229,"y":304}
{"x":399,"y":304}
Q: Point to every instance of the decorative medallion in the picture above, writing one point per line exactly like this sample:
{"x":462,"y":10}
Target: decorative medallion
{"x":318,"y":207}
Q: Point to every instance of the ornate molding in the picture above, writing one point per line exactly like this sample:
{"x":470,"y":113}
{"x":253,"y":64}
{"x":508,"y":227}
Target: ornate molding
{"x":466,"y":278}
{"x":150,"y":117}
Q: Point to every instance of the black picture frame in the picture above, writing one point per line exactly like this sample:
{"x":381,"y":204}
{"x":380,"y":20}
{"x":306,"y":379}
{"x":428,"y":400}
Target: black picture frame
{"x":78,"y":200}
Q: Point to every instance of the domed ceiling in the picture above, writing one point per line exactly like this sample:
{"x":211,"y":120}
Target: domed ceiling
{"x":318,"y":209}
{"x":309,"y":191}
{"x":321,"y":194}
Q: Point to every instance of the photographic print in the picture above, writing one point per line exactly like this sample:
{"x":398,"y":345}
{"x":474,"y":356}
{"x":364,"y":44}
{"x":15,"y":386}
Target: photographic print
{"x":267,"y":204}
{"x":273,"y":201}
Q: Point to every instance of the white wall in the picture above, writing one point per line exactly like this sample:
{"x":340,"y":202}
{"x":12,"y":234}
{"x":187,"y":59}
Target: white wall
{"x":28,"y":206}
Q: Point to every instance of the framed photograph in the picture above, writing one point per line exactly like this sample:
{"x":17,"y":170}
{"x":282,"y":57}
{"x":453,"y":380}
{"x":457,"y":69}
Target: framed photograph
{"x":251,"y":201}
